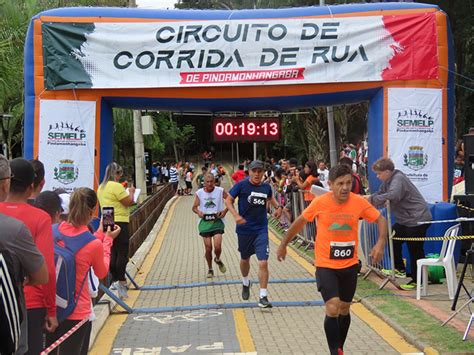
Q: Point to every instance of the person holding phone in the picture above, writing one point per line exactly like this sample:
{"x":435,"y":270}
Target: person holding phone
{"x":95,"y":254}
{"x":112,"y":194}
{"x":108,"y":218}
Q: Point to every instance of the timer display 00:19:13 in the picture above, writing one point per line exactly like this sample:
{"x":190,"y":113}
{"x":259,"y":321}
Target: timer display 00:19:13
{"x":246,"y":129}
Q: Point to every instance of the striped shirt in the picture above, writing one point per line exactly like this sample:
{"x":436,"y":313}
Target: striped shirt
{"x":173,"y":174}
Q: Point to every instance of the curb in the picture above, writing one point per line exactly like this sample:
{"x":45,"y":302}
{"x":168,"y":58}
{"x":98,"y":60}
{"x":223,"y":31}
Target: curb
{"x":105,"y":305}
{"x":405,"y":335}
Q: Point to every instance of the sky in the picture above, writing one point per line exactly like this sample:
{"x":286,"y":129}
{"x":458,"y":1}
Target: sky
{"x":156,"y":4}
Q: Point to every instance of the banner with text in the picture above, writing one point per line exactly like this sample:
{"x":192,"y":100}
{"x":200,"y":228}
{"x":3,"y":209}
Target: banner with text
{"x":67,"y":143}
{"x":415,"y":141}
{"x":239,"y":52}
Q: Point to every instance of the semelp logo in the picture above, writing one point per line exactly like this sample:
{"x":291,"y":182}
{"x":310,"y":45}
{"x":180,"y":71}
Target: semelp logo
{"x":64,"y":133}
{"x":66,"y":172}
{"x":414,"y":120}
{"x":416,"y":159}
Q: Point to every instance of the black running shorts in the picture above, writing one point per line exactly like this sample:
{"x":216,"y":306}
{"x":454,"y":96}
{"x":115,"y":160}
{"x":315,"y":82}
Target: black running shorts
{"x":337,"y":282}
{"x":213,"y":233}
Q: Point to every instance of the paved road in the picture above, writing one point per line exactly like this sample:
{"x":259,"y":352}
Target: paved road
{"x":281,"y":330}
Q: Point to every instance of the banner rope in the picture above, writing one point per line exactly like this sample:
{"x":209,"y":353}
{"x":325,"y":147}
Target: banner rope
{"x":464,"y":207}
{"x":64,"y":337}
{"x":460,"y":219}
{"x":419,"y":239}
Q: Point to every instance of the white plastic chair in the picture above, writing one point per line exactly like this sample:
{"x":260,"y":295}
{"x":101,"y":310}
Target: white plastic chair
{"x":446,"y":260}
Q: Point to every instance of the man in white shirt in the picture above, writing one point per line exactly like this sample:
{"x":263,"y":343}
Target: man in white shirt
{"x":323,"y":173}
{"x":209,"y":206}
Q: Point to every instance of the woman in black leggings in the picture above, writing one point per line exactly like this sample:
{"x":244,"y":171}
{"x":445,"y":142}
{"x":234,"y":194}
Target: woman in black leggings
{"x":112,"y":194}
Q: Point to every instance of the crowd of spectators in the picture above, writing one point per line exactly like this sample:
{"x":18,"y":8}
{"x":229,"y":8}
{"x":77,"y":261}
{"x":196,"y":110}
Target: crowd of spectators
{"x":34,"y":224}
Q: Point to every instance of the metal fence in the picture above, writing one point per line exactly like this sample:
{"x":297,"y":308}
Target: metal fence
{"x":294,"y":203}
{"x":144,"y":217}
{"x":368,"y":237}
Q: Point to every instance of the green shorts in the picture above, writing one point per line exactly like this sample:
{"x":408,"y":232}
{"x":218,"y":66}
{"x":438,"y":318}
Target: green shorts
{"x":206,"y":227}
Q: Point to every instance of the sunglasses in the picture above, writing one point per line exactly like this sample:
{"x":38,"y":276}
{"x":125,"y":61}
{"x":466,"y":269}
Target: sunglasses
{"x":8,"y":177}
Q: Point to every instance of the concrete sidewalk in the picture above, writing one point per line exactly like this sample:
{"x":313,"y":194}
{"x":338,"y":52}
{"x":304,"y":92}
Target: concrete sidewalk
{"x":177,"y":257}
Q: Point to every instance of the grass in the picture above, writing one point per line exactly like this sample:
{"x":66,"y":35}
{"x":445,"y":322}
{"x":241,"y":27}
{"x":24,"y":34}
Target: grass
{"x":414,"y":320}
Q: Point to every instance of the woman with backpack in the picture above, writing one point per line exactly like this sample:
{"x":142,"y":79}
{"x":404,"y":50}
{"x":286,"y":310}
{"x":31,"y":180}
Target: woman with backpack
{"x":93,"y":251}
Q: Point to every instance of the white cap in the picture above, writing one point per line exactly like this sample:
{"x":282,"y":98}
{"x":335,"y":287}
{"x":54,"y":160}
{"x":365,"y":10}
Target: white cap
{"x":65,"y":198}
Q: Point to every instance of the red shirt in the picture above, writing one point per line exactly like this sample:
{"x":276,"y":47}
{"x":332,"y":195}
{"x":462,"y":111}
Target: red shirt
{"x":238,"y":175}
{"x":39,"y":224}
{"x":95,"y":254}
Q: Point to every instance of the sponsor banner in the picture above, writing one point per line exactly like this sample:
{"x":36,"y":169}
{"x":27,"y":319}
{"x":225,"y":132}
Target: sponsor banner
{"x":66,"y":143}
{"x":415,"y":141}
{"x":239,"y":52}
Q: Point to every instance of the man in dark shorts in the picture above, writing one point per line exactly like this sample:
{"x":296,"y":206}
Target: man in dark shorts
{"x":337,"y":213}
{"x":209,"y":206}
{"x":252,"y":226}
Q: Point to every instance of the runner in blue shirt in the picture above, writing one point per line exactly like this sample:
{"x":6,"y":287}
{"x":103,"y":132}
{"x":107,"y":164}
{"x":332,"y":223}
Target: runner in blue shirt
{"x":252,"y":226}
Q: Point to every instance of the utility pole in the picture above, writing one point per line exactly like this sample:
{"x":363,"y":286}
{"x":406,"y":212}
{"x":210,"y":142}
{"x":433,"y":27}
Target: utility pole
{"x":331,"y":131}
{"x":172,"y":125}
{"x":139,"y":146}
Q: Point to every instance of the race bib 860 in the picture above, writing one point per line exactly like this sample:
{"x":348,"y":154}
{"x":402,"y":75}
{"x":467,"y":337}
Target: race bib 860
{"x":342,"y":250}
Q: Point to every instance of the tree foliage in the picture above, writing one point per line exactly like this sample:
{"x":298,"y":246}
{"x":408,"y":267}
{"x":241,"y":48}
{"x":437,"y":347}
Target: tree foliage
{"x":15,"y":16}
{"x":461,"y":16}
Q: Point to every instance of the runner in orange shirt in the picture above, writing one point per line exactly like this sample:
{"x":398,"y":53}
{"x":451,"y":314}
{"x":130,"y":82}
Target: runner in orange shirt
{"x":338,"y":213}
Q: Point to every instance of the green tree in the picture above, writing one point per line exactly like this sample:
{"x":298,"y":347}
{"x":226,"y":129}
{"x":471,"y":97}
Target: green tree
{"x":460,"y":13}
{"x":15,"y":16}
{"x":14,"y":19}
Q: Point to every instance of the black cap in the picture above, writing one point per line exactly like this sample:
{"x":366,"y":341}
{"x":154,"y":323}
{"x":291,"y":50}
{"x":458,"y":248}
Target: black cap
{"x":256,"y":164}
{"x":22,"y":171}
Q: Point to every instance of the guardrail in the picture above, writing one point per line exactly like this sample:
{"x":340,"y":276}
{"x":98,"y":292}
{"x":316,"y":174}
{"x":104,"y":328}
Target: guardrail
{"x":368,"y":236}
{"x":294,"y":204}
{"x":144,"y":217}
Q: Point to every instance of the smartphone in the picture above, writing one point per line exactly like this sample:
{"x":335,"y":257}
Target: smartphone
{"x":107,"y":218}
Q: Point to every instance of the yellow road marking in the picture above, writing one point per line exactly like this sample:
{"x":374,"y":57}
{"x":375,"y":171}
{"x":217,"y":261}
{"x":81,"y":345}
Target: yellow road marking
{"x":383,"y":329}
{"x":105,"y":339}
{"x":242,"y":331}
{"x":430,"y":351}
{"x":299,"y":259}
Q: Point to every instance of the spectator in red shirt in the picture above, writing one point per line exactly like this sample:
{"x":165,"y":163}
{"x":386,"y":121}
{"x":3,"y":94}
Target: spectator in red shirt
{"x":40,"y":300}
{"x":239,"y":174}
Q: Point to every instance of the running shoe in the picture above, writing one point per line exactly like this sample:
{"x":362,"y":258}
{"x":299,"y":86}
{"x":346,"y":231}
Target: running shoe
{"x":409,"y":286}
{"x":264,"y":303}
{"x":398,"y":273}
{"x":221,"y":265}
{"x":245,"y":292}
{"x":123,"y":290}
{"x":210,"y":274}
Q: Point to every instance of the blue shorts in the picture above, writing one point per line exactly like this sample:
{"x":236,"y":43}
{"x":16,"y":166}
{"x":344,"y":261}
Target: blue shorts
{"x":254,"y":244}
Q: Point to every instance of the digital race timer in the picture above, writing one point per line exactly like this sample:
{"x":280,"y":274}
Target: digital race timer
{"x":246,"y":129}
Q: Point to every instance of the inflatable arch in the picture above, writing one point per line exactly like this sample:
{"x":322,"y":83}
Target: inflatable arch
{"x":82,"y":62}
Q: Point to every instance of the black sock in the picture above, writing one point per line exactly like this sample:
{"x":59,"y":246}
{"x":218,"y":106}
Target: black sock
{"x":331,"y":328}
{"x":344,"y":324}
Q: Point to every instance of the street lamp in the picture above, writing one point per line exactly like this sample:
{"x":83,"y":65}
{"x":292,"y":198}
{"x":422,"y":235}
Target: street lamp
{"x":5,"y":127}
